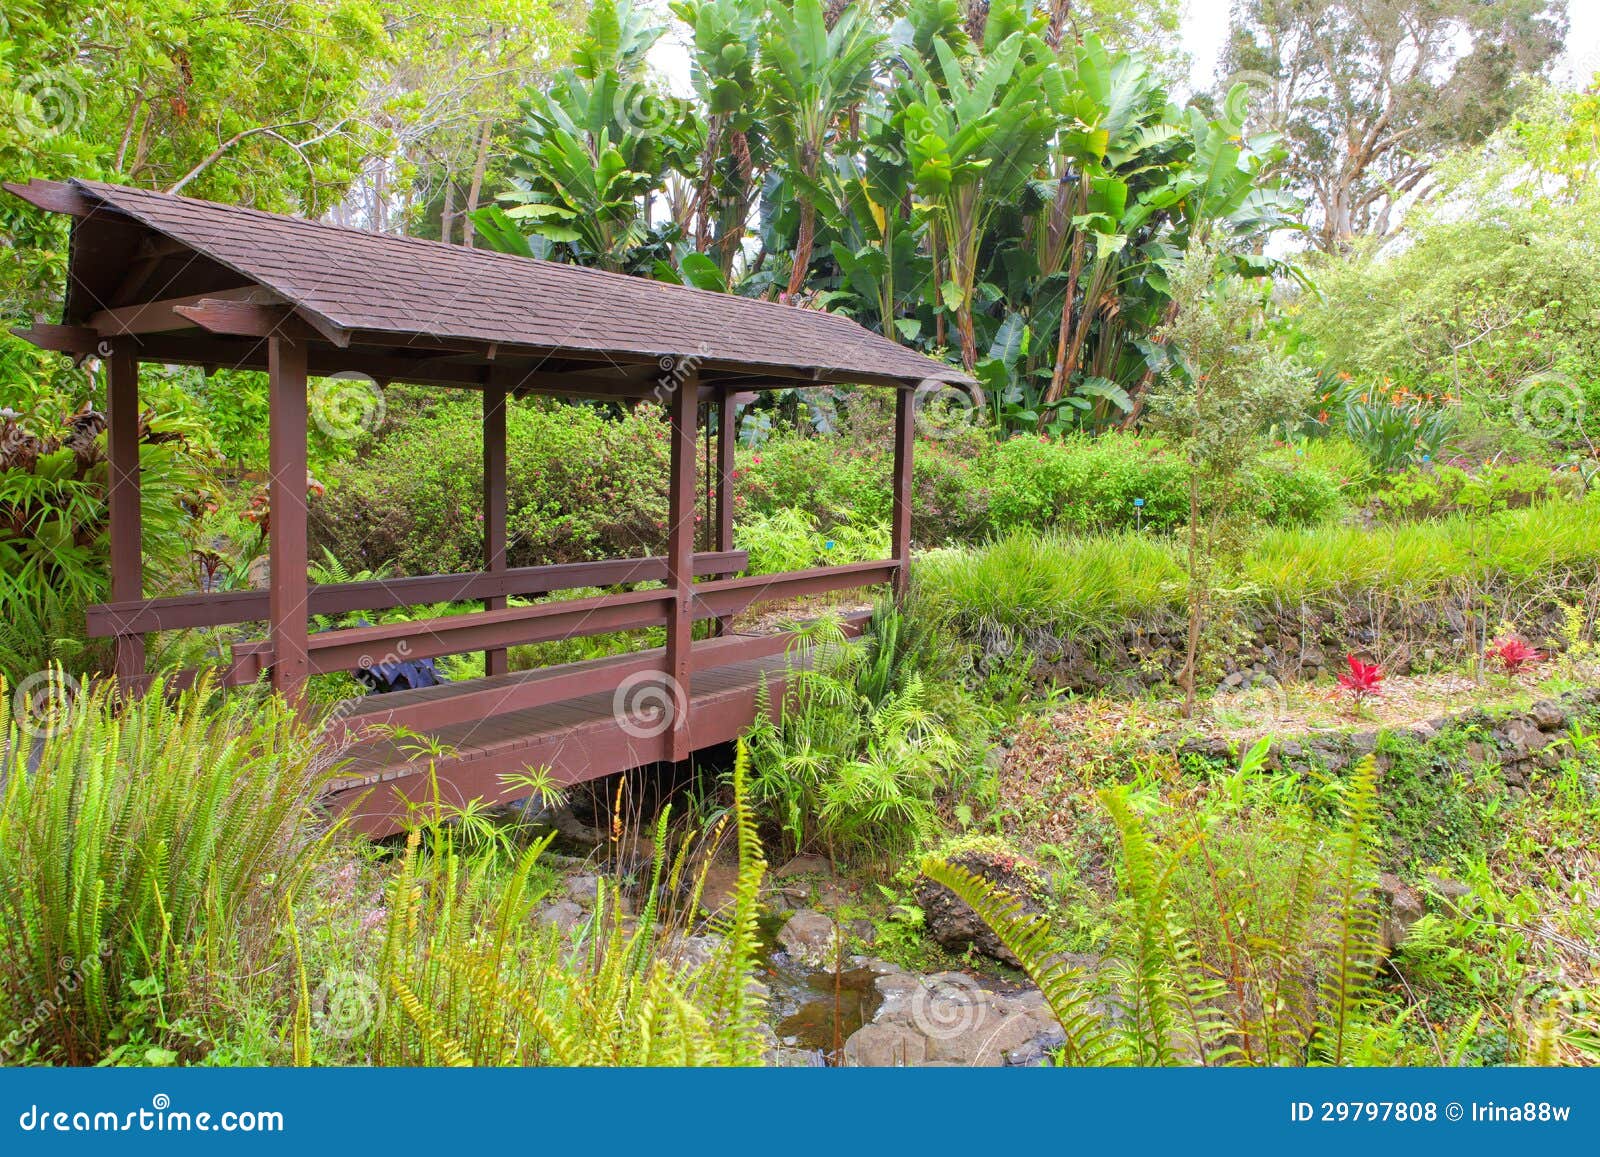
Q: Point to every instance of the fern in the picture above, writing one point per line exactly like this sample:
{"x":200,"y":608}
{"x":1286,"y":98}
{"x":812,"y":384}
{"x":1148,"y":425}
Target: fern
{"x":1032,"y":940}
{"x":1356,"y":946}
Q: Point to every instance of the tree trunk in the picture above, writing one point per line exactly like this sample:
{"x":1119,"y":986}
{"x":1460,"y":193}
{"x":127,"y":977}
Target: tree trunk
{"x":447,"y":214}
{"x":480,"y":165}
{"x":1191,"y":649}
{"x":802,"y":250}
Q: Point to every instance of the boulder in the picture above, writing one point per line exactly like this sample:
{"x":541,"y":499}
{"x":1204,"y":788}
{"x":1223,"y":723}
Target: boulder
{"x":1402,"y":907}
{"x":810,"y":938}
{"x":1548,"y":715}
{"x":951,"y":922}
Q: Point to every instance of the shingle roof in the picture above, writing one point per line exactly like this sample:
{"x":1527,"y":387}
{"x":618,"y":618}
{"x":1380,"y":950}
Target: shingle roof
{"x":404,"y":286}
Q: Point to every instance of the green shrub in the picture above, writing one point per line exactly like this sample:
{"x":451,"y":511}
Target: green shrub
{"x":1090,"y":485}
{"x":1429,"y":492}
{"x":847,"y":479}
{"x":581,"y":485}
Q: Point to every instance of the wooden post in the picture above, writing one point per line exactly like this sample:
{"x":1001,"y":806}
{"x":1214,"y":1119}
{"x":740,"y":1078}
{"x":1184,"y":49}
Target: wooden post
{"x":905,"y":429}
{"x":683,"y":407}
{"x":122,"y":498}
{"x":496,"y":661}
{"x":286,"y":492}
{"x":727,"y":439}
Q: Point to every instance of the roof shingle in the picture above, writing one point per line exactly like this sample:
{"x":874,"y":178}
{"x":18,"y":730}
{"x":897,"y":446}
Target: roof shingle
{"x":413,"y":288}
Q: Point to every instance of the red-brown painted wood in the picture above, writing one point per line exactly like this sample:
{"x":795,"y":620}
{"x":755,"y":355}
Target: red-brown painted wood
{"x":495,"y":660}
{"x":727,"y":440}
{"x":122,"y":500}
{"x":181,"y":612}
{"x":900,"y":518}
{"x":287,"y":609}
{"x":682,"y":407}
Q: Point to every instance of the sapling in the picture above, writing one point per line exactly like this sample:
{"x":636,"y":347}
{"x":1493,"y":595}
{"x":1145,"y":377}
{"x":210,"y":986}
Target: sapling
{"x":1226,"y":381}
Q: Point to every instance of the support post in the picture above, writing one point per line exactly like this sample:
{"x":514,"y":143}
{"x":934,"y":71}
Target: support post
{"x":905,"y":429}
{"x":727,"y":439}
{"x":286,"y":489}
{"x":496,"y":661}
{"x":683,"y":407}
{"x":122,"y":499}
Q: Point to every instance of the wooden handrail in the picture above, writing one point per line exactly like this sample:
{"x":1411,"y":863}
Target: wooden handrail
{"x":361,"y":647}
{"x":178,"y":612}
{"x":733,"y":596}
{"x":364,"y":647}
{"x":441,"y":706}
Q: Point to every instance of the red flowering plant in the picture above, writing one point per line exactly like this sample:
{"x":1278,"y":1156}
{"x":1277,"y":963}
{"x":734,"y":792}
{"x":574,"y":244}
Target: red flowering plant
{"x":1512,"y":654}
{"x":1362,"y":680}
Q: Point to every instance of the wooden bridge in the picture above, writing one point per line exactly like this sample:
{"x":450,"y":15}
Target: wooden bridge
{"x":173,"y":280}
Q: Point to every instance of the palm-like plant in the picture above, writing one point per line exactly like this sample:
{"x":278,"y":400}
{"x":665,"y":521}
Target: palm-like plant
{"x":812,"y":76}
{"x":592,"y":149}
{"x":976,"y":128}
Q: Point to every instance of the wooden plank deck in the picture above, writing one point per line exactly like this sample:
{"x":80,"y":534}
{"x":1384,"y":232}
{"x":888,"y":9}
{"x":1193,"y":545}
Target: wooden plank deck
{"x":579,"y":738}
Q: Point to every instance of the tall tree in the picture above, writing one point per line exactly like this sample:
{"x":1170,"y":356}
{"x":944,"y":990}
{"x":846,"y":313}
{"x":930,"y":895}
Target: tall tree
{"x":1369,"y":93}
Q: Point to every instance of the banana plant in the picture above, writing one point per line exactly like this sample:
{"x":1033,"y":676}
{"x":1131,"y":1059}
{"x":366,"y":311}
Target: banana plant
{"x":813,"y":76}
{"x":725,"y":63}
{"x":592,"y":149}
{"x":976,"y":128}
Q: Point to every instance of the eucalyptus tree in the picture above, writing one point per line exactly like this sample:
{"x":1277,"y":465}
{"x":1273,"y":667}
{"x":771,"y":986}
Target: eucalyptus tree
{"x":1368,"y":94}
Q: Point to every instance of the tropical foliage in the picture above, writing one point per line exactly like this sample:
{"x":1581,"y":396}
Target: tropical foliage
{"x":957,"y":181}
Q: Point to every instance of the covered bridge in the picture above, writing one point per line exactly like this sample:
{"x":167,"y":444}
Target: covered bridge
{"x":174,"y":280}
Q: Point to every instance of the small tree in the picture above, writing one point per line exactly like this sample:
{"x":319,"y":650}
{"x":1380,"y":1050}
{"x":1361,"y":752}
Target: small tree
{"x":1225,"y":382}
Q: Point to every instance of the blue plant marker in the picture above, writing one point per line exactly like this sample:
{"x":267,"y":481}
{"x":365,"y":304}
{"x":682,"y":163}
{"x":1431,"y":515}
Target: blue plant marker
{"x":828,"y":545}
{"x":1138,"y":514}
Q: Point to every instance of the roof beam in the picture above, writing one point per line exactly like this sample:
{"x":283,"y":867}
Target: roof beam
{"x":54,"y":197}
{"x":169,"y":313}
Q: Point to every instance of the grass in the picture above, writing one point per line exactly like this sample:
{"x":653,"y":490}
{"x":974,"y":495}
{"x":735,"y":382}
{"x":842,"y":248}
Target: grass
{"x":1071,"y":585}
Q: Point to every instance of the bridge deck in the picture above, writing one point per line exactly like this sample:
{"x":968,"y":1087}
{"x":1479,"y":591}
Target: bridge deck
{"x":580,"y":738}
